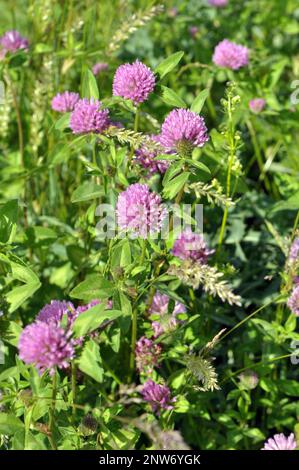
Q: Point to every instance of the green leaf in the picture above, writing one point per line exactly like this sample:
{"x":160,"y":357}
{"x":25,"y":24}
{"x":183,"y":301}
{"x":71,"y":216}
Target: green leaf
{"x":169,"y":64}
{"x":172,"y":170}
{"x":289,"y":387}
{"x":121,"y":254}
{"x":199,"y":101}
{"x":171,"y":98}
{"x":12,"y":333}
{"x":18,"y":295}
{"x":121,"y":302}
{"x":291,"y":323}
{"x":89,"y":85}
{"x":290,"y":204}
{"x":41,"y":48}
{"x":255,"y":434}
{"x":63,"y":122}
{"x":86,"y":191}
{"x":199,"y":165}
{"x":90,"y":361}
{"x":10,"y":424}
{"x":93,"y":317}
{"x":94,"y":287}
{"x":174,"y":186}
{"x":217,"y":139}
{"x":8,"y":221}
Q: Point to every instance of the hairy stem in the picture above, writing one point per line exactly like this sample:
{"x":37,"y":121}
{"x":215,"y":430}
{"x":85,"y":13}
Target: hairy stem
{"x":74,"y":387}
{"x":52,"y":412}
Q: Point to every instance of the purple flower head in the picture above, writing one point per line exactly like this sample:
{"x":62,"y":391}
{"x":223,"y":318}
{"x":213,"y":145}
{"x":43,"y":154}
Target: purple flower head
{"x":146,"y":158}
{"x":159,"y":307}
{"x":183,"y":130}
{"x":89,"y":117}
{"x":54,"y":311}
{"x":230,"y":55}
{"x":280,"y":442}
{"x":190,"y":245}
{"x":12,"y":41}
{"x":46,"y":345}
{"x":134,"y":81}
{"x":147,"y":355}
{"x":99,"y":67}
{"x":140,"y":211}
{"x":293,"y":302}
{"x":158,"y":396}
{"x":294,"y":251}
{"x":218,"y":3}
{"x":65,"y":102}
{"x":257,"y":105}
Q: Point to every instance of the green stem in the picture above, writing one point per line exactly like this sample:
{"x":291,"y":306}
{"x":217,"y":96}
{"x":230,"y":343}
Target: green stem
{"x":52,"y":412}
{"x":248,"y":318}
{"x":20,"y":139}
{"x":225,"y":214}
{"x":258,"y":155}
{"x":257,"y":364}
{"x":74,"y":387}
{"x":133,"y":341}
{"x":134,"y":316}
{"x":136,"y":125}
{"x":136,"y":120}
{"x":232,"y":149}
{"x":143,"y":251}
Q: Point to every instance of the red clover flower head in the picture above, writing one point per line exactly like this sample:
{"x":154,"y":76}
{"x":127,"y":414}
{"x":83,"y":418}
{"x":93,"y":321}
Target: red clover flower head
{"x":281,"y":442}
{"x":257,"y":105}
{"x":46,"y":345}
{"x":158,"y":396}
{"x":54,"y":312}
{"x":182,"y":131}
{"x":88,"y":116}
{"x":147,"y":355}
{"x":12,"y":41}
{"x":65,"y":102}
{"x":190,"y":245}
{"x":134,"y":81}
{"x":230,"y":55}
{"x":140,"y":211}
